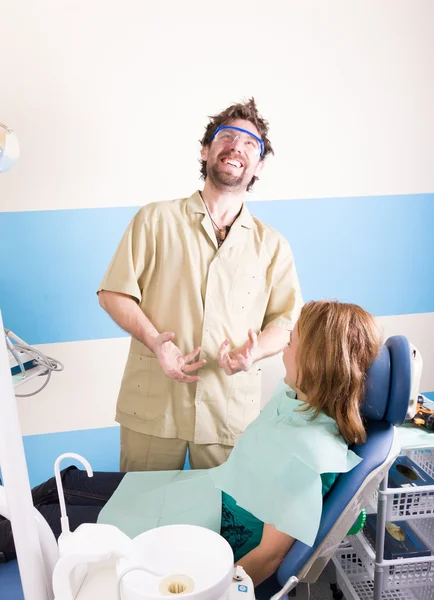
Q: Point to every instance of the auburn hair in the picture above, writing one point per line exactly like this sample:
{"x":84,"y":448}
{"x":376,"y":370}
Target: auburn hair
{"x":337,"y":343}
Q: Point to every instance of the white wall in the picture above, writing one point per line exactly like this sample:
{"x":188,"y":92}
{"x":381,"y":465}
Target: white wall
{"x":109,"y":97}
{"x":88,"y":401}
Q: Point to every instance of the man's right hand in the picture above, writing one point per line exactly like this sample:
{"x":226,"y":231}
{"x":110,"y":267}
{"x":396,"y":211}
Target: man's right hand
{"x":174,"y":364}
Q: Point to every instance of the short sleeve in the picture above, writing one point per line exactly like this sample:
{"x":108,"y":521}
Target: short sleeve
{"x":128,"y":263}
{"x":286,"y":301}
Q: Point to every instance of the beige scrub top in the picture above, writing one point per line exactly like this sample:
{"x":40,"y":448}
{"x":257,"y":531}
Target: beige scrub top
{"x":169,"y":261}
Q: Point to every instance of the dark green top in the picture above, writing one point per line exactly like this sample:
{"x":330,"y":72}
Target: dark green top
{"x":242,"y":530}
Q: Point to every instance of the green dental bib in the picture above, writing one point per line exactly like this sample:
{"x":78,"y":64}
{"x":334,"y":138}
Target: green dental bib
{"x":145,"y":500}
{"x":274,"y":471}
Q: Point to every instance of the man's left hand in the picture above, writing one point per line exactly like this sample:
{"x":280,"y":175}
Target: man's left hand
{"x":239,"y":359}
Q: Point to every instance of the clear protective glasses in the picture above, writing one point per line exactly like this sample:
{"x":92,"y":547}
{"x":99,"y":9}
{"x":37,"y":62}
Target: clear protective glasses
{"x":228,"y":134}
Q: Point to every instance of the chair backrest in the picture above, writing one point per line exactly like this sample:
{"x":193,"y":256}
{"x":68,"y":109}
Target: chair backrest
{"x":387,"y":397}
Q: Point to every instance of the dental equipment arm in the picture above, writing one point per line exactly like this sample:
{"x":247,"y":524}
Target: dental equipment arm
{"x":18,"y":492}
{"x":14,"y":353}
{"x":20,"y":347}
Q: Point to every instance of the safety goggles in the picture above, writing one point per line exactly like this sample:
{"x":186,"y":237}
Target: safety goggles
{"x":228,"y":134}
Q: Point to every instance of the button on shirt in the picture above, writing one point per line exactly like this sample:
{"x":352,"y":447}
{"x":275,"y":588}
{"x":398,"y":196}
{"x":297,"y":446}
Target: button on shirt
{"x":169,"y":261}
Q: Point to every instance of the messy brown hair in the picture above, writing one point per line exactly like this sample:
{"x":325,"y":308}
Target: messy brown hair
{"x":337,"y":344}
{"x":243,"y":110}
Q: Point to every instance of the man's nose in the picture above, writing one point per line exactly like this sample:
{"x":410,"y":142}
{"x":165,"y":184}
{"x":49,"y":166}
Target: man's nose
{"x":237,"y":144}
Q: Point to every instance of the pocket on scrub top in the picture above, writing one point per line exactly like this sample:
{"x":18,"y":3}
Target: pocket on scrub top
{"x":244,"y":401}
{"x":249,"y":288}
{"x":145,"y":388}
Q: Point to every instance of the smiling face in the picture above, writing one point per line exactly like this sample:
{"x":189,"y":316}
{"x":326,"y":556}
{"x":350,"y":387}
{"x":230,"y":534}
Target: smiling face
{"x":232,"y":159}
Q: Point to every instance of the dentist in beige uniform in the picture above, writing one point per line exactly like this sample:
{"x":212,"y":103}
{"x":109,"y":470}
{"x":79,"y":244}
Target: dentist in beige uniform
{"x":206,"y":291}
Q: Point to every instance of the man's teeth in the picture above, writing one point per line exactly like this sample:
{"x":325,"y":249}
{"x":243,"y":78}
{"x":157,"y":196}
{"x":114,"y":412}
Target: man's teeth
{"x":234,"y":163}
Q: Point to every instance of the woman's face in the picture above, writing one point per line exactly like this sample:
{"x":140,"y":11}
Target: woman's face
{"x":289,"y":360}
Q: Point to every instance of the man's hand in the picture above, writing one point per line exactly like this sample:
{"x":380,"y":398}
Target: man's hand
{"x":174,"y":364}
{"x":239,"y":359}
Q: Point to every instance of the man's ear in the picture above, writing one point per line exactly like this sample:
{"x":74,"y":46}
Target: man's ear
{"x":204,"y":152}
{"x":259,"y":168}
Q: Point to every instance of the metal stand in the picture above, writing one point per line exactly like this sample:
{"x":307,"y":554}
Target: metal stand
{"x":379,"y":546}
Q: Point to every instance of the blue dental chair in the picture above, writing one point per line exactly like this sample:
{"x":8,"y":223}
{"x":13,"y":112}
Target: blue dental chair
{"x":386,"y":403}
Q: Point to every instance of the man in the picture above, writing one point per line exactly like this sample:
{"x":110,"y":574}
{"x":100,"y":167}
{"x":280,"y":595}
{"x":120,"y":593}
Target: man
{"x":206,"y":291}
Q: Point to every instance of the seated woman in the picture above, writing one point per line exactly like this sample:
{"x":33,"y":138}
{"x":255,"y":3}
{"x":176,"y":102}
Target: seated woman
{"x":293,"y":451}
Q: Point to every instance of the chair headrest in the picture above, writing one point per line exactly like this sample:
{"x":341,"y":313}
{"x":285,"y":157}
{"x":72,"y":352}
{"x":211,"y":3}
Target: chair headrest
{"x":388,"y":383}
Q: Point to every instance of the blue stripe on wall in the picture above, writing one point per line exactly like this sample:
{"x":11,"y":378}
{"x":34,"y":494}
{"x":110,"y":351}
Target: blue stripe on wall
{"x":51,"y":263}
{"x":99,"y":446}
{"x":375,"y":251}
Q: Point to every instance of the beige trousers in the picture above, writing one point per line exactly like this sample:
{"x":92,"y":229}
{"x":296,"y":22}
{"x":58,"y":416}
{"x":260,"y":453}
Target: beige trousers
{"x":142,"y":452}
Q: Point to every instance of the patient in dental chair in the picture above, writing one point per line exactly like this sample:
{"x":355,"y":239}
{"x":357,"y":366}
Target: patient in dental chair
{"x":271,"y":488}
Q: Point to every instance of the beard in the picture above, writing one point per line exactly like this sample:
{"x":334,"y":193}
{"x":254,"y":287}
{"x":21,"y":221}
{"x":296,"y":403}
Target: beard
{"x":227,"y":180}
